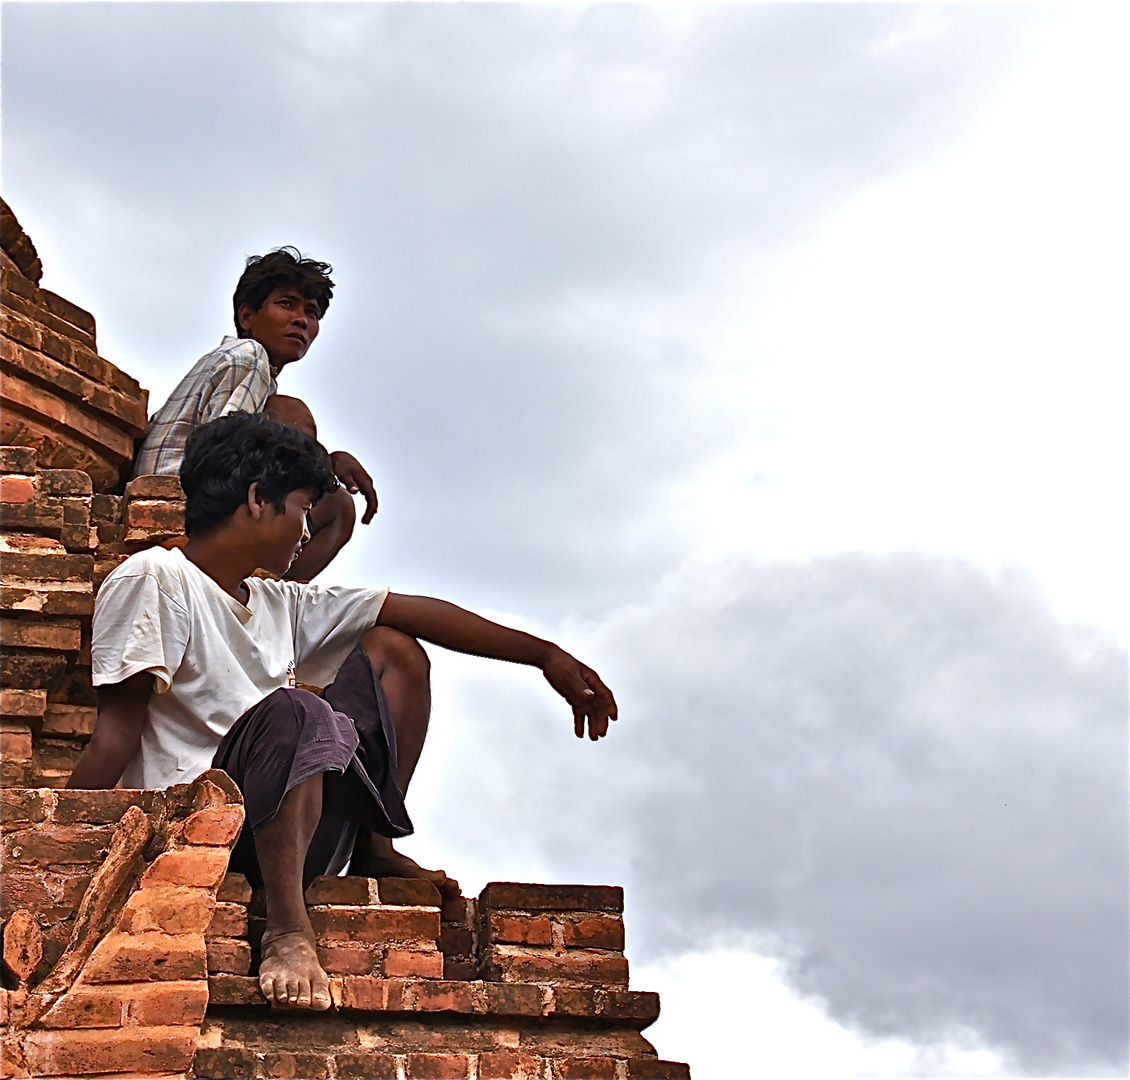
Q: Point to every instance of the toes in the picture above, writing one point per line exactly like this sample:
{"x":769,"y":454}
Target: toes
{"x":303,"y":997}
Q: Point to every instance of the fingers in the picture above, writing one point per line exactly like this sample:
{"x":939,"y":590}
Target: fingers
{"x":370,"y":493}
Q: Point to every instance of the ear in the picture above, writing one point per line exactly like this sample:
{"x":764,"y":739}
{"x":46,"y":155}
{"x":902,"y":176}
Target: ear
{"x":245,"y":313}
{"x":254,"y":502}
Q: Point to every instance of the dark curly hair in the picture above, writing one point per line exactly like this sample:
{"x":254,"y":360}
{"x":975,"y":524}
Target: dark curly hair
{"x":283,"y":266}
{"x":223,"y":458}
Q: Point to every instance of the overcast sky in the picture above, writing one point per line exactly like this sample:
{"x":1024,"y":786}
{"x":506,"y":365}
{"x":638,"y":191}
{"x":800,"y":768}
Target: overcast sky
{"x":772,"y":359}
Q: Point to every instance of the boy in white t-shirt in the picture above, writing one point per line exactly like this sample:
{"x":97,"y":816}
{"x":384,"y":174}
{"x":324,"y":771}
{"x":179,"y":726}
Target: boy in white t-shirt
{"x":196,"y":659}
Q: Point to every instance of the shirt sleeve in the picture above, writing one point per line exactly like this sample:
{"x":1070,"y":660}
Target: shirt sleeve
{"x":242,"y":383}
{"x":138,"y":626}
{"x":329,"y":622}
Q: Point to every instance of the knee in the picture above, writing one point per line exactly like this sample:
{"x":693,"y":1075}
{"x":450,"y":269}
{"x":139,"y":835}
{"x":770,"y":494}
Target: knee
{"x":344,"y":512}
{"x":388,"y":648}
{"x":285,"y":709}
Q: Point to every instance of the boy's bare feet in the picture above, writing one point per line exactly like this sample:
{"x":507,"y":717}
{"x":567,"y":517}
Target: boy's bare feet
{"x":290,"y":975}
{"x":375,"y":857}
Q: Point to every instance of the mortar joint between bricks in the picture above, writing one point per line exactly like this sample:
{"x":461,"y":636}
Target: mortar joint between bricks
{"x":557,"y":936}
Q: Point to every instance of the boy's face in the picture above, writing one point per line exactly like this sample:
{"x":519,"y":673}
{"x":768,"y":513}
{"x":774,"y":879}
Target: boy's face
{"x":282,"y":533}
{"x":285,"y":325}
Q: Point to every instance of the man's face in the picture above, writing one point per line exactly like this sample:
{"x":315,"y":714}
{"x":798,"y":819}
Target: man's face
{"x":282,"y":533}
{"x":285,"y":325}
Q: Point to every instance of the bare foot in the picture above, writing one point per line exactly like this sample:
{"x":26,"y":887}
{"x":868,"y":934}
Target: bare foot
{"x":290,"y":975}
{"x":378,"y":859}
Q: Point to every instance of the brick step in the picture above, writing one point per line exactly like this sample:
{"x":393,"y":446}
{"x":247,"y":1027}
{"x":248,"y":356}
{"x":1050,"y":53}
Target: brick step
{"x":635,"y":1009}
{"x":230,"y":1063}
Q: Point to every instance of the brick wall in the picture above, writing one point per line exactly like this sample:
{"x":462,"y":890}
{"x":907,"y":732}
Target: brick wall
{"x":128,"y":951}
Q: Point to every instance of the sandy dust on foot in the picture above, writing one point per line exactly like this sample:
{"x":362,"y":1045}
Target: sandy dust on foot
{"x":290,"y":975}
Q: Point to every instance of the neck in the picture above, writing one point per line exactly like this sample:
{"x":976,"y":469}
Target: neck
{"x":220,"y":554}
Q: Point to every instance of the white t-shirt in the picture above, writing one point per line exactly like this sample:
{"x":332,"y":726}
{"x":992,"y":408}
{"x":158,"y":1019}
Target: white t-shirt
{"x":212,"y":657}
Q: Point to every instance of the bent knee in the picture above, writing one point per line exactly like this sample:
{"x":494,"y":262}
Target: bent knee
{"x":387,"y":647}
{"x":335,"y":511}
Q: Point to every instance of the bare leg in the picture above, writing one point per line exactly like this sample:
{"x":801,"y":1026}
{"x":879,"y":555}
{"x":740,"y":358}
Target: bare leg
{"x":332,"y":522}
{"x":289,"y":973}
{"x":405,"y":675}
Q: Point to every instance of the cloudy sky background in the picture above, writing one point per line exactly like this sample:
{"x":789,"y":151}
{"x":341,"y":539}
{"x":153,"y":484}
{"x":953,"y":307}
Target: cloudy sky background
{"x":771,"y":358}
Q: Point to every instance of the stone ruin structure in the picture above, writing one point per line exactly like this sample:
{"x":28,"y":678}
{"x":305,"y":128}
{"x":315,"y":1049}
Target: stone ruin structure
{"x":128,"y":950}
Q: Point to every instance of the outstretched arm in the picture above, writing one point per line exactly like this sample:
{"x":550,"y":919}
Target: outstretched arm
{"x":122,"y":709}
{"x":454,"y":628}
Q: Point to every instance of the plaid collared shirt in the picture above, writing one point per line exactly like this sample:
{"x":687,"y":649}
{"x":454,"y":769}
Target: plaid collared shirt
{"x":234,"y":377}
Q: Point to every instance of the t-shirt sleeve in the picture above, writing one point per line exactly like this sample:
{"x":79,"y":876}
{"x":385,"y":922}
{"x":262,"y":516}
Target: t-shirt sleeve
{"x":241,"y":383}
{"x":138,"y":626}
{"x":329,"y":621}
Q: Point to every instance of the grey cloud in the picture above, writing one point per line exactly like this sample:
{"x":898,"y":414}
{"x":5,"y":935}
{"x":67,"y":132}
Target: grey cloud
{"x":538,"y":216}
{"x":900,"y":774}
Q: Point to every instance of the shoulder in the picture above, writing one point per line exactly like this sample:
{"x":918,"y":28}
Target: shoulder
{"x":156,"y":566}
{"x":244,"y":353}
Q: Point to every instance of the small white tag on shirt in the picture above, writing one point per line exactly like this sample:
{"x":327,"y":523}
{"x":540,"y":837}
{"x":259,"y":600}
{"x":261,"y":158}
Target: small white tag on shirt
{"x":290,"y":681}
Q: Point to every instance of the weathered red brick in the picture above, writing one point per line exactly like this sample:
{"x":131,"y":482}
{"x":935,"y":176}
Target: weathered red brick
{"x":146,"y":957}
{"x":224,"y":1063}
{"x":234,"y":990}
{"x":355,"y":891}
{"x":203,"y":866}
{"x":59,"y":844}
{"x":45,"y":564}
{"x":652,"y":1069}
{"x":585,"y":1068}
{"x":509,"y":1065}
{"x":218,"y":826}
{"x":167,"y":1002}
{"x":102,"y":806}
{"x":375,"y":925}
{"x":575,"y":1001}
{"x":64,"y":309}
{"x":127,"y":1050}
{"x":347,"y":959}
{"x":73,"y":598}
{"x":516,"y":963}
{"x":374,"y":995}
{"x":155,"y":515}
{"x":61,"y":634}
{"x":455,"y":909}
{"x":444,"y":996}
{"x":17,"y":489}
{"x":23,"y":702}
{"x":364,"y":1065}
{"x":234,"y":889}
{"x":437,"y":1066}
{"x":290,"y":1065}
{"x":508,"y":894}
{"x":69,"y":719}
{"x":171,"y":909}
{"x":409,"y":892}
{"x":594,"y":932}
{"x":229,"y":955}
{"x":23,"y":945}
{"x":25,"y":805}
{"x":228,"y":920}
{"x":64,"y":482}
{"x":459,"y":968}
{"x":456,"y":940}
{"x":412,"y":963}
{"x":15,"y":741}
{"x":155,"y":487}
{"x":517,"y":929}
{"x":512,"y":1000}
{"x":639,"y":1007}
{"x":85,"y":1007}
{"x":17,"y":459}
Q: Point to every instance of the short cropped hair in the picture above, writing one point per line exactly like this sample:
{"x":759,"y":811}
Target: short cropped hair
{"x":278,"y":268}
{"x":223,"y":458}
